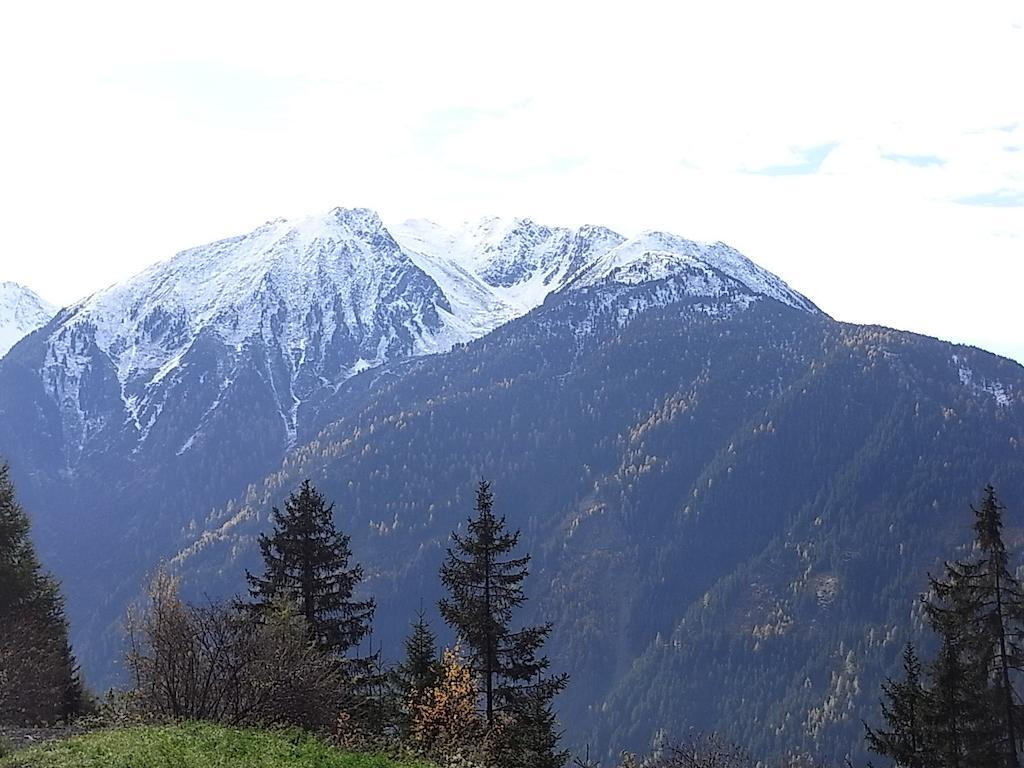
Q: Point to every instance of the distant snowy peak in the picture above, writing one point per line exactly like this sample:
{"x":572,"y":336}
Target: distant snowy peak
{"x":344,"y":278}
{"x":21,"y":312}
{"x":509,"y":253}
{"x":300,"y":304}
{"x":340,"y":270}
{"x":291,"y":310}
{"x":516,"y":263}
{"x":657,"y":255}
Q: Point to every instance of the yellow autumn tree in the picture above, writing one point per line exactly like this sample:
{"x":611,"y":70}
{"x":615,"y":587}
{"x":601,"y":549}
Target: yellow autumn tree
{"x":445,"y":721}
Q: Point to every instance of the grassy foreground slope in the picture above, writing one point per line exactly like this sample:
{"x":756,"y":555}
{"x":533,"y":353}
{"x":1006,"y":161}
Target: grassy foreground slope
{"x":195,"y":745}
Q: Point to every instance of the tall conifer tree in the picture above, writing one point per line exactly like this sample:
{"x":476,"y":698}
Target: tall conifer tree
{"x":484,"y":580}
{"x":1000,"y":622}
{"x":963,"y":727}
{"x":979,"y":610}
{"x":904,"y":713}
{"x":959,"y":730}
{"x":418,"y":673}
{"x":39,"y":678}
{"x":19,"y":567}
{"x":972,"y":714}
{"x":306,"y":562}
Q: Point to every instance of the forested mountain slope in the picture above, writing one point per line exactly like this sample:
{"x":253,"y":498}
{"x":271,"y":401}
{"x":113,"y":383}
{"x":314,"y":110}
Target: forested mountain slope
{"x":732,"y":503}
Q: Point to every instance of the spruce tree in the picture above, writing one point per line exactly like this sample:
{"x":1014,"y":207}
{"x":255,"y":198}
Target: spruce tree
{"x":532,"y":740}
{"x":904,"y":710}
{"x":39,"y":678}
{"x":971,"y":711}
{"x":19,"y":567}
{"x":960,"y":723}
{"x":484,"y":580}
{"x":978,"y":609}
{"x":421,"y":667}
{"x":1001,"y":621}
{"x":306,"y":561}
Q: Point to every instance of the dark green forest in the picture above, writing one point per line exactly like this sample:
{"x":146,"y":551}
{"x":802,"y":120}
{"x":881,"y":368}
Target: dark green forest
{"x":288,"y":654}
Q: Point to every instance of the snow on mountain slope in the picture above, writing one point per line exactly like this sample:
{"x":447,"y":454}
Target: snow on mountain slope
{"x":321,"y":298}
{"x":519,"y":263}
{"x":294,"y":308}
{"x":21,"y":312}
{"x":341,"y":269}
{"x":656,"y":255}
{"x":515,"y":261}
{"x":473,"y":302}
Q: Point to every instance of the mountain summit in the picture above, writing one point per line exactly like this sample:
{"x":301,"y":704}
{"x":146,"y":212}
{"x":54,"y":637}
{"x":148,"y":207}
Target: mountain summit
{"x":308,"y":303}
{"x":296,"y":307}
{"x":21,"y":312}
{"x":519,"y":263}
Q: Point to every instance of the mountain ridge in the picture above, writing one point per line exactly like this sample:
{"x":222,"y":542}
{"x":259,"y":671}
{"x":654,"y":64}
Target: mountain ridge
{"x":328,"y":296}
{"x":22,"y":311}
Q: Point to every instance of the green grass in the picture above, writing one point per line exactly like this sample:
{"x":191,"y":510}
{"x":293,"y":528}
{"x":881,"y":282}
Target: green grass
{"x":195,"y":745}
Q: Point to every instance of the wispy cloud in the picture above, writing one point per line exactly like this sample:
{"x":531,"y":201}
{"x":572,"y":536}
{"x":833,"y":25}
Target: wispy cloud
{"x":810,"y":161}
{"x":918,"y":161}
{"x":1003,"y":198}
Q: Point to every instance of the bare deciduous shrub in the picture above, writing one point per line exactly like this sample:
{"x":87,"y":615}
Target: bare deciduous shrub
{"x":216,"y":662}
{"x":703,"y":750}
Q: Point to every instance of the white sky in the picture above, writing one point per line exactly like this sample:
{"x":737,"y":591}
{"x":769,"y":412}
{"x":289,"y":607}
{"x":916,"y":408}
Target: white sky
{"x":870,"y":153}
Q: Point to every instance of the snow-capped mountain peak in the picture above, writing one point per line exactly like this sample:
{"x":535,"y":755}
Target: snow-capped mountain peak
{"x":517,"y":263}
{"x":288,"y":312}
{"x":21,"y":312}
{"x":654,"y":255}
{"x":340,"y":265}
{"x":309,"y":302}
{"x":514,"y":261}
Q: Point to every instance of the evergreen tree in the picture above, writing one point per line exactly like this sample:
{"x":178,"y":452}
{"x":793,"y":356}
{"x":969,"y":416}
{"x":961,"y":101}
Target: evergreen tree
{"x":306,"y":561}
{"x":485,"y":585}
{"x":958,"y":728}
{"x":1001,"y":621}
{"x":903,"y":738}
{"x":75,"y":700}
{"x":418,"y":672}
{"x":960,"y":722}
{"x":531,"y":739}
{"x":978,"y":609}
{"x":19,"y":568}
{"x":966,"y":714}
{"x":39,"y":678}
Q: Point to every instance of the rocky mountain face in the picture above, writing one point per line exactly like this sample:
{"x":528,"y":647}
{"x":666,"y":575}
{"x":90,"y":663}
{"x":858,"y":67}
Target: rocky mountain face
{"x":731,"y":498}
{"x":21,"y":312}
